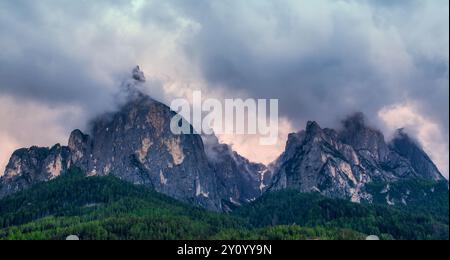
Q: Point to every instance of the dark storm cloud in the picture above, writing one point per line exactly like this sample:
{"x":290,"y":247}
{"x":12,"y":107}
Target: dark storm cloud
{"x":321,"y":59}
{"x":325,"y":59}
{"x":61,"y":52}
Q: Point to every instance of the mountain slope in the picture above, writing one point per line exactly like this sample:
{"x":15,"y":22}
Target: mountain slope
{"x":104,"y":207}
{"x":290,"y":207}
{"x":136,"y":144}
{"x":339,"y":164}
{"x":108,"y":208}
{"x":420,"y":162}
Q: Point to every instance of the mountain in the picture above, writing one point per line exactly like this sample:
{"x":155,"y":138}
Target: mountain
{"x":105,"y":207}
{"x":408,"y":148}
{"x":130,"y":177}
{"x":340,"y":164}
{"x":136,"y":144}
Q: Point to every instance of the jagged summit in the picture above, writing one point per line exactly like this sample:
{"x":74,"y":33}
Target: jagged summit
{"x":135,"y":144}
{"x":138,"y":74}
{"x":339,"y":164}
{"x":313,"y":127}
{"x":360,"y":136}
{"x":409,"y":148}
{"x":131,"y":87}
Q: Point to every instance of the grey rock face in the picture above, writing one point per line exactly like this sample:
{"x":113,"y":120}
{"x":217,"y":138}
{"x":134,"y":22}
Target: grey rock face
{"x":408,"y":148}
{"x":363,"y":138}
{"x":136,"y":144}
{"x":80,"y":146}
{"x":138,"y":74}
{"x":317,"y":161}
{"x":340,"y":164}
{"x":239,"y":180}
{"x":30,"y":166}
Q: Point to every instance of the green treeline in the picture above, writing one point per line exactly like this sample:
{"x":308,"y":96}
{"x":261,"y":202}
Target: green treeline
{"x":108,"y":208}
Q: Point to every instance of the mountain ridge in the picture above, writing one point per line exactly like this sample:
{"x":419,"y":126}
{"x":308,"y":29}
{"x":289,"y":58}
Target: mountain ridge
{"x":339,"y":164}
{"x":135,"y":144}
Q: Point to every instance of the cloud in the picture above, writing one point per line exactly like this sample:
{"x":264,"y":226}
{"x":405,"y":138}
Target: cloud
{"x":322,"y":59}
{"x":79,"y":52}
{"x":326,"y":58}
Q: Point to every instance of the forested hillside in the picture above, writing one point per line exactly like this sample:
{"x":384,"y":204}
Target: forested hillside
{"x":312,"y":210}
{"x":108,"y":208}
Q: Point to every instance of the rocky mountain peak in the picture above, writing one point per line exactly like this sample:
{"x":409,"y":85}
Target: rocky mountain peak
{"x":410,"y":149}
{"x":77,"y":138}
{"x":360,"y":136}
{"x":313,"y":128}
{"x":341,"y":163}
{"x":28,"y":166}
{"x":312,"y":125}
{"x":402,"y":138}
{"x":138,"y":74}
{"x":135,"y":144}
{"x":131,"y":87}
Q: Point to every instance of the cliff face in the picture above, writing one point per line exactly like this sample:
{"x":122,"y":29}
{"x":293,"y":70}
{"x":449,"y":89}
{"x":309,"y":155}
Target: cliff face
{"x":406,"y":147}
{"x":30,"y":166}
{"x":136,"y":144}
{"x":339,"y":164}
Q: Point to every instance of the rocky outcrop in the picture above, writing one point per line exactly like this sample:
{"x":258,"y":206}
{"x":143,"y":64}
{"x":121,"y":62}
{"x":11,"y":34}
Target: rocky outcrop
{"x":408,"y":148}
{"x":30,"y":166}
{"x":136,"y":144}
{"x":339,"y":164}
{"x":362,"y":138}
{"x":317,"y":161}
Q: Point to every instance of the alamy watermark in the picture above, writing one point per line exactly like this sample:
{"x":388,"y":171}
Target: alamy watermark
{"x":230,"y":116}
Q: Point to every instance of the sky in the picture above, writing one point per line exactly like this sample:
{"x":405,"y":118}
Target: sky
{"x":61,"y":62}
